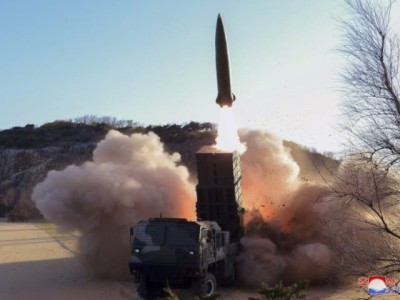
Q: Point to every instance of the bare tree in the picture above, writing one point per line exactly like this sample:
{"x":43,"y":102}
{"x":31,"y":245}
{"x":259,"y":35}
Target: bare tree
{"x":365,"y":226}
{"x":372,"y":81}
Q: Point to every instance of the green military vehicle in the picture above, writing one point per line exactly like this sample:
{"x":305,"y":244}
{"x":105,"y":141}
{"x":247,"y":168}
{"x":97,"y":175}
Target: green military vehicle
{"x":181,"y":254}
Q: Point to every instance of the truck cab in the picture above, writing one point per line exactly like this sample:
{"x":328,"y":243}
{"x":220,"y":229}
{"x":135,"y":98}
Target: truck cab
{"x":181,"y":254}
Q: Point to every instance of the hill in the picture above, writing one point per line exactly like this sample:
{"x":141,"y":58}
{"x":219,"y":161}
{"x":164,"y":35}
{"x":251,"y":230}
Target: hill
{"x":28,"y":153}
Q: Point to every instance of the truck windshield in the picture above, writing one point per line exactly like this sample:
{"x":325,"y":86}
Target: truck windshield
{"x":167,"y":233}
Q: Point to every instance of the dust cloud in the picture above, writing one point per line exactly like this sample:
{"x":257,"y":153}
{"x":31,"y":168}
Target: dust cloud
{"x":133,"y":178}
{"x":284,"y":237}
{"x":130,"y":178}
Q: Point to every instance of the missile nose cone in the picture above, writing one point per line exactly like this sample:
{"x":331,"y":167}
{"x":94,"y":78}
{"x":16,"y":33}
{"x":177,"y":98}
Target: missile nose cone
{"x":220,"y":26}
{"x":219,"y":19}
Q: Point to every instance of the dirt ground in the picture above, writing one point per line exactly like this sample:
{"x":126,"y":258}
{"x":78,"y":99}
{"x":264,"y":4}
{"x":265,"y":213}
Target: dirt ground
{"x":37,"y":263}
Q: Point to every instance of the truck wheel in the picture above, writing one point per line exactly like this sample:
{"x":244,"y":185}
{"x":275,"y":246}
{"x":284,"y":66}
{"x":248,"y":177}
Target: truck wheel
{"x":208,"y":285}
{"x":143,"y":291}
{"x":148,"y":290}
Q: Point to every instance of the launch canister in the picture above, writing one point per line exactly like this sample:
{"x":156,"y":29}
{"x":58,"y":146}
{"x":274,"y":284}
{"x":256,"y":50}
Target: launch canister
{"x":225,"y":96}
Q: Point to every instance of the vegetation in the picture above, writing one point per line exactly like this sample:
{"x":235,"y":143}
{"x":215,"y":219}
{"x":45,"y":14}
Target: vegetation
{"x":58,"y":133}
{"x":281,"y":292}
{"x":371,"y":81}
{"x":366,"y":229}
{"x":278,"y":292}
{"x":72,"y":142}
{"x":89,"y":129}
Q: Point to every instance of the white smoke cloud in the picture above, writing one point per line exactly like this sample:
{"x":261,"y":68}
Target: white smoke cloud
{"x":284,"y":239}
{"x":130,"y":178}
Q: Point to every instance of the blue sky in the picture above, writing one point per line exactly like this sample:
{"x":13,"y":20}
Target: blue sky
{"x":153,"y":62}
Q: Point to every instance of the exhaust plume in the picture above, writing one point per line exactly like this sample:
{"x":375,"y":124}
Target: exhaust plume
{"x":228,"y":138}
{"x":284,"y":239}
{"x":130,"y":178}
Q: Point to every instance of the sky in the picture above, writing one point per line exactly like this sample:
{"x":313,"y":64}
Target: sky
{"x":153,"y":62}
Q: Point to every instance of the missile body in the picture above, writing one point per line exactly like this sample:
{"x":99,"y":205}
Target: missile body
{"x":225,"y":96}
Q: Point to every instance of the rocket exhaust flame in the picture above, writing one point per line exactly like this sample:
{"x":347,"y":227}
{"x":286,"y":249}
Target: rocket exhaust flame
{"x":228,"y":138}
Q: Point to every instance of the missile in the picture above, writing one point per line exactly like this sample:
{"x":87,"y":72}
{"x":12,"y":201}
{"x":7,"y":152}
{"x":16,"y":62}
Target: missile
{"x":225,"y":96}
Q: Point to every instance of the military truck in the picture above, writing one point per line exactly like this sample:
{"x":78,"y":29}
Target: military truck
{"x":181,"y":254}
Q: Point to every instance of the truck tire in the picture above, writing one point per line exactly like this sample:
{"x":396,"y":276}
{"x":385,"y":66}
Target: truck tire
{"x":205,"y":287}
{"x":143,"y":291}
{"x":148,"y":290}
{"x":209,"y":285}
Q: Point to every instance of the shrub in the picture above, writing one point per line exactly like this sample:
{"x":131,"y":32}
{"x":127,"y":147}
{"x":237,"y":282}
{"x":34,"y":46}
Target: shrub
{"x":281,"y":292}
